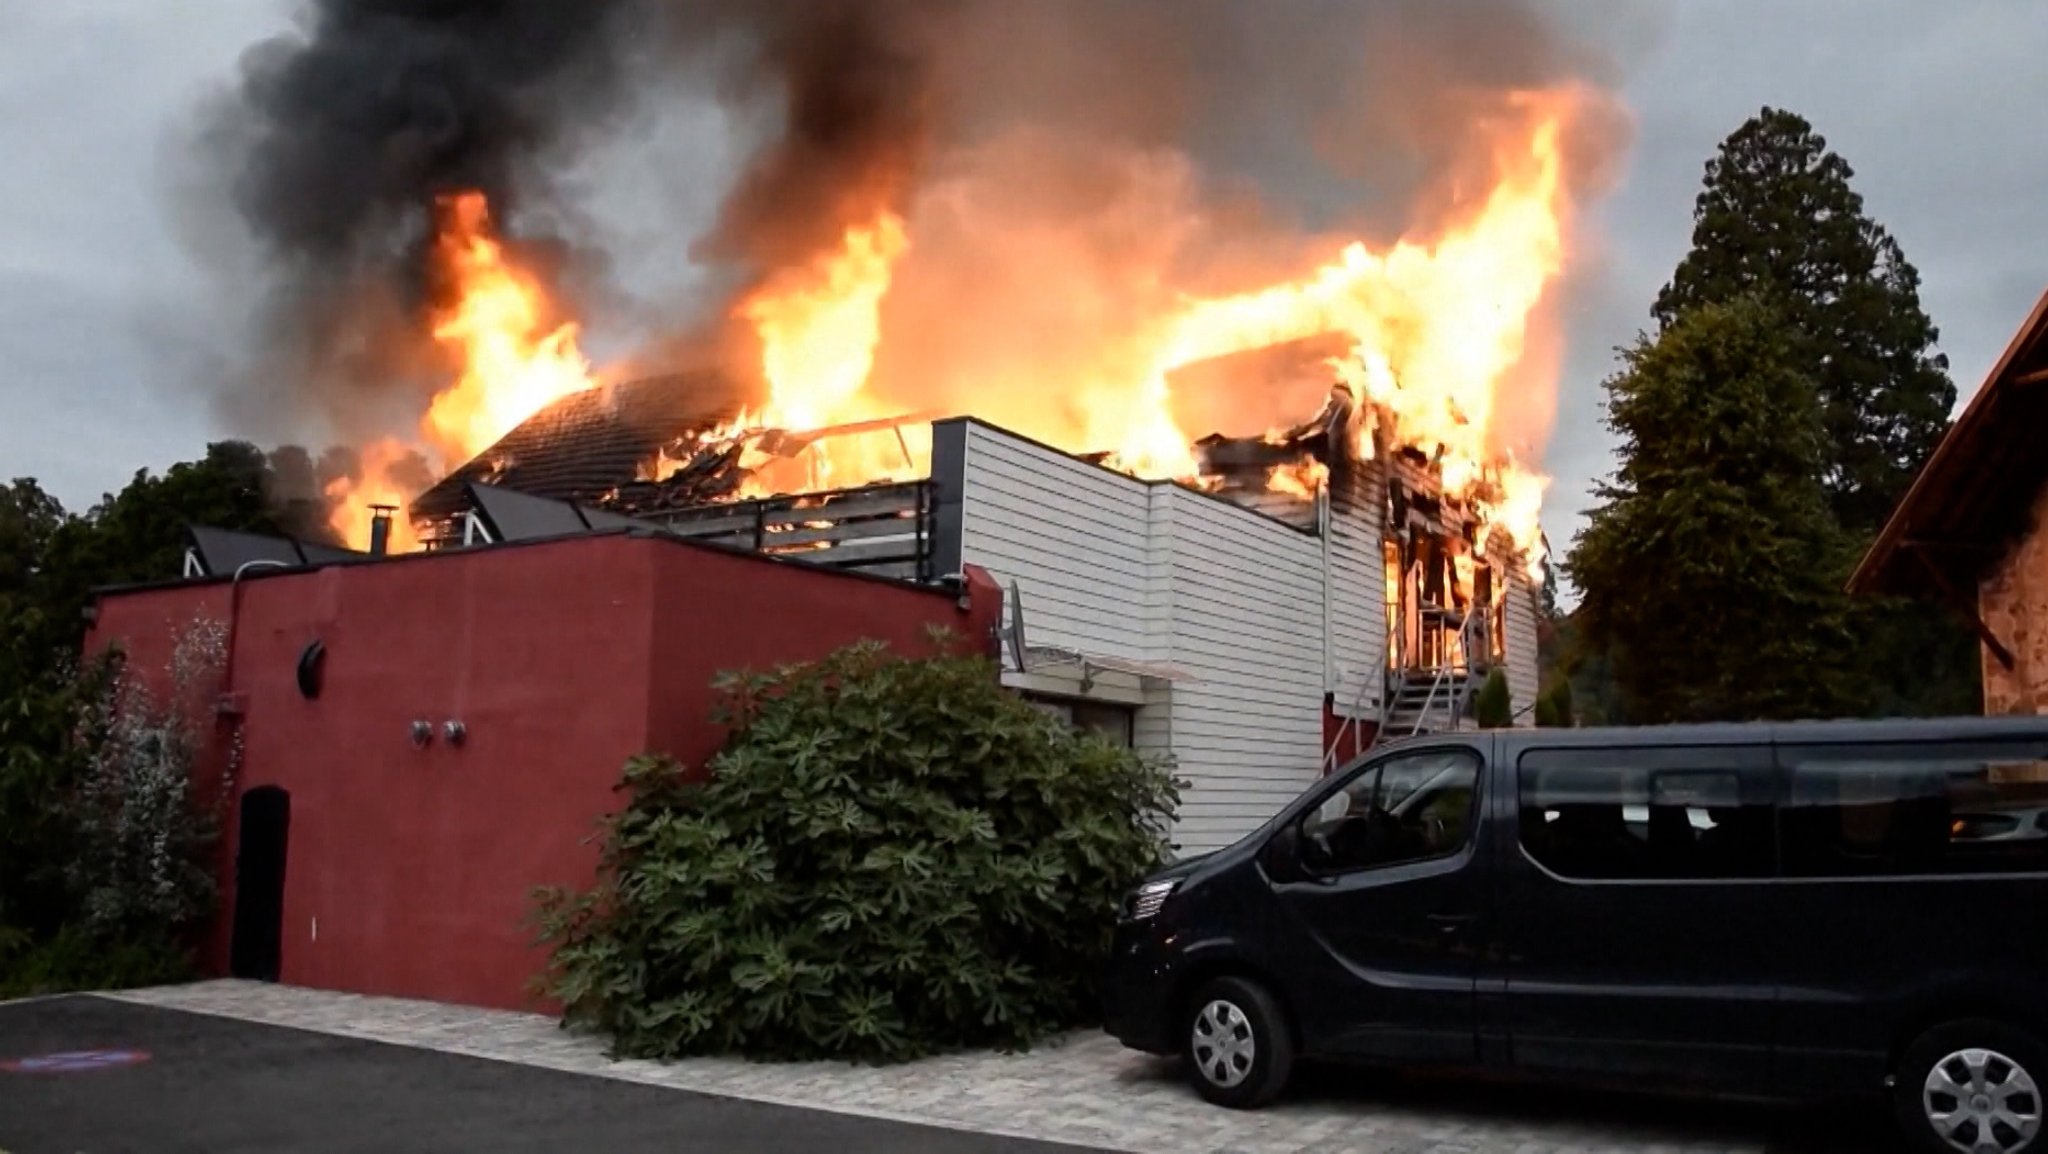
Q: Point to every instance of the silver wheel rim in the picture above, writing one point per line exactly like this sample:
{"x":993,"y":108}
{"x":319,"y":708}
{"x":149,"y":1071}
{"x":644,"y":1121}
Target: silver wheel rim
{"x":1223,"y":1045}
{"x":1981,"y":1102}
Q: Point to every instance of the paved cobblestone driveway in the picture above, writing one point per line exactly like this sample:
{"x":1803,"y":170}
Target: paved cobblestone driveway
{"x":1086,"y":1090}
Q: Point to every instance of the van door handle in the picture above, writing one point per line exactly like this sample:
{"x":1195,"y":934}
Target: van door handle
{"x":1452,"y":923}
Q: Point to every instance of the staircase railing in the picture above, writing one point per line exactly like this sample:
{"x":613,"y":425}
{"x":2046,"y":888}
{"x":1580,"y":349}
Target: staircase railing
{"x":1453,"y":679}
{"x":1349,"y":725}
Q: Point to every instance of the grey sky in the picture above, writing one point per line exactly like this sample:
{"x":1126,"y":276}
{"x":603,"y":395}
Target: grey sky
{"x":104,"y":320}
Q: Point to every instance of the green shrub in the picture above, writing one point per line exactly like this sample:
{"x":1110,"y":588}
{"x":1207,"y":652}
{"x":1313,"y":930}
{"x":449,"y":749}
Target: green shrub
{"x":1495,"y":708}
{"x":889,"y":856}
{"x":1554,"y":706}
{"x":109,"y":869}
{"x":76,"y":959}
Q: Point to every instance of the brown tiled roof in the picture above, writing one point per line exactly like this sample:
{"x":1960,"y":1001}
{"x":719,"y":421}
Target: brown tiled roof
{"x":590,"y":442}
{"x":1974,"y":494}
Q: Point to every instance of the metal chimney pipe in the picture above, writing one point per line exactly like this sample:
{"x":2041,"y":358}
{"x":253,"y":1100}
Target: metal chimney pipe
{"x":380,"y":529}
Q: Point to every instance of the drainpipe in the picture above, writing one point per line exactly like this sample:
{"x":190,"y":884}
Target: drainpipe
{"x":226,"y":704}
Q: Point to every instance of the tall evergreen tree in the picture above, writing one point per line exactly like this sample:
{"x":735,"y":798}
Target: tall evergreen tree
{"x":1710,"y":572}
{"x":1777,"y":217}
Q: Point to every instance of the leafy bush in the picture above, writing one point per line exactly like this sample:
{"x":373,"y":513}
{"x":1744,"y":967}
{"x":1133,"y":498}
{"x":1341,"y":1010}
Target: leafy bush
{"x":111,"y":868}
{"x":146,"y":835}
{"x":76,"y":959}
{"x":889,"y":856}
{"x":1554,"y":706}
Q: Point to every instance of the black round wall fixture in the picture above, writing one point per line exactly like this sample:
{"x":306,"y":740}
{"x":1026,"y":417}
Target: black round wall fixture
{"x":312,"y":660}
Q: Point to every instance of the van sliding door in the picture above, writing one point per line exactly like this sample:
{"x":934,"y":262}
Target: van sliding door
{"x":1640,"y":916}
{"x":1914,"y":873}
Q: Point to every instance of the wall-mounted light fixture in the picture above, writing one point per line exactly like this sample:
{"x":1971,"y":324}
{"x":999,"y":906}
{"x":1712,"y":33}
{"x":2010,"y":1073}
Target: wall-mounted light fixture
{"x":455,"y":732}
{"x":422,"y":733}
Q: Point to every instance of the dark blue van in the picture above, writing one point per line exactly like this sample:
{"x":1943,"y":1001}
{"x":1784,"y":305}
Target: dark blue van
{"x":1772,"y":911}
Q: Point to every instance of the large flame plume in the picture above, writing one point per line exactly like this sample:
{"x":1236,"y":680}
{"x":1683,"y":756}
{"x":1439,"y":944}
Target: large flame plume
{"x":1437,"y":329}
{"x":514,"y":359}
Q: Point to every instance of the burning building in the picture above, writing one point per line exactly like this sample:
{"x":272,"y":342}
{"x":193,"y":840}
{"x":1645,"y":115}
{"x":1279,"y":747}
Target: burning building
{"x":1260,"y":484}
{"x":1307,"y":591}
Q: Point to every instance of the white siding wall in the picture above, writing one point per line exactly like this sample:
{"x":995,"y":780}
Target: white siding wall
{"x":1073,"y":537}
{"x":1246,"y":623}
{"x":1358,"y":597}
{"x":1115,"y":567}
{"x":1523,"y":672}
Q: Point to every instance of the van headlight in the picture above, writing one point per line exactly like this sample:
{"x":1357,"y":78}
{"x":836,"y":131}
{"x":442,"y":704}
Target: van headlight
{"x":1143,"y":904}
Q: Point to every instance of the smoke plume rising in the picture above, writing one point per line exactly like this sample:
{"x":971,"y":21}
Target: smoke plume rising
{"x":337,"y":139}
{"x":1065,"y":168}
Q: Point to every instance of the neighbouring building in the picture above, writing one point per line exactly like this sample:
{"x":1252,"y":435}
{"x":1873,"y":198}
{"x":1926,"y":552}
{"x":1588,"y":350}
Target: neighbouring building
{"x":1259,"y":633}
{"x":1972,"y":531}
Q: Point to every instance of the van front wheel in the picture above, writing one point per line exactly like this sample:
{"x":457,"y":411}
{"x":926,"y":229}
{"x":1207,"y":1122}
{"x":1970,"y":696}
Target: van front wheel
{"x":1973,"y":1087}
{"x":1236,"y":1042}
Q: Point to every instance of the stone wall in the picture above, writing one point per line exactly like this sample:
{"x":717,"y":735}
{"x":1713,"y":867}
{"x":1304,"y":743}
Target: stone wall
{"x":2014,"y":603}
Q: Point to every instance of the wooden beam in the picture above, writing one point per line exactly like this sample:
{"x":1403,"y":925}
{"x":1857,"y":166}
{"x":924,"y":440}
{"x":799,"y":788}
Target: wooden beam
{"x":2033,"y":377}
{"x":1967,"y":606}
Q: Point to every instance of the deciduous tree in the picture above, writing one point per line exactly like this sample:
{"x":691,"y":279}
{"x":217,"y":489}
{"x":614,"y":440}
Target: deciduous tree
{"x":1710,"y":572}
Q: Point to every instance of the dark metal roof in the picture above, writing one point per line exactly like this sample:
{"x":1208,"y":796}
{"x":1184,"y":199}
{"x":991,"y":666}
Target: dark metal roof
{"x":224,"y":551}
{"x":588,"y":443}
{"x":1975,"y":493}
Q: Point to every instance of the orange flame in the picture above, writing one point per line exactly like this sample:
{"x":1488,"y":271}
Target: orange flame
{"x":1437,"y":327}
{"x":355,"y":502}
{"x":1303,"y":479}
{"x":819,"y":326}
{"x":514,"y":361}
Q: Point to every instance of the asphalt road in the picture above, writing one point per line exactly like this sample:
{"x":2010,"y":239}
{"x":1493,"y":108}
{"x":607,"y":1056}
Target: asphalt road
{"x":219,"y":1086}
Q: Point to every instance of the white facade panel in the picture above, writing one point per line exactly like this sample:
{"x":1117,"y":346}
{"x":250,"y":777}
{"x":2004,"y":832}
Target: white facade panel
{"x":1114,"y":567}
{"x":1523,"y":670}
{"x":1246,"y":615}
{"x":1073,"y":537}
{"x":1259,"y":619}
{"x":1358,"y":597}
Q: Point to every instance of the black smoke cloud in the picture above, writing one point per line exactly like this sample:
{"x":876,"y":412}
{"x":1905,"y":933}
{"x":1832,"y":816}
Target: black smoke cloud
{"x":388,"y":102}
{"x":332,"y":148}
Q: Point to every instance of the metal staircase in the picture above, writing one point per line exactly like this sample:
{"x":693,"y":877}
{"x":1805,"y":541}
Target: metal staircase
{"x":1420,"y":699}
{"x":1427,"y":699}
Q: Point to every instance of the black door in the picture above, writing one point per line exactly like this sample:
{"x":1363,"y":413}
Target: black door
{"x":1379,"y":930}
{"x":1641,"y":920}
{"x":258,"y":944}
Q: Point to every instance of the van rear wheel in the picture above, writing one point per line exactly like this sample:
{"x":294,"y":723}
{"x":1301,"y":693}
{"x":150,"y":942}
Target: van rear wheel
{"x":1973,"y":1087}
{"x":1236,"y":1042}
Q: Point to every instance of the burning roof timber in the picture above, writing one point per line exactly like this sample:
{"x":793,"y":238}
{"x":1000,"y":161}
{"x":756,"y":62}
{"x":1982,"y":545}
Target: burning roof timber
{"x":676,"y":442}
{"x":588,"y":443}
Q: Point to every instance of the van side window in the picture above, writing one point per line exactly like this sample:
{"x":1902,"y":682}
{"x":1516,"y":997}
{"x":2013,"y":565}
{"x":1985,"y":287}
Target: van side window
{"x":1878,"y":810}
{"x":1404,"y":809}
{"x":1647,"y":813}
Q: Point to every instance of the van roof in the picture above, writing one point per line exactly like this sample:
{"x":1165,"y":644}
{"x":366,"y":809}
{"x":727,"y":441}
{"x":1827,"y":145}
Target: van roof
{"x":1793,"y":732}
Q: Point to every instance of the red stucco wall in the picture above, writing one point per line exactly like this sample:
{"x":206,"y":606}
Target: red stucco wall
{"x":409,"y":870}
